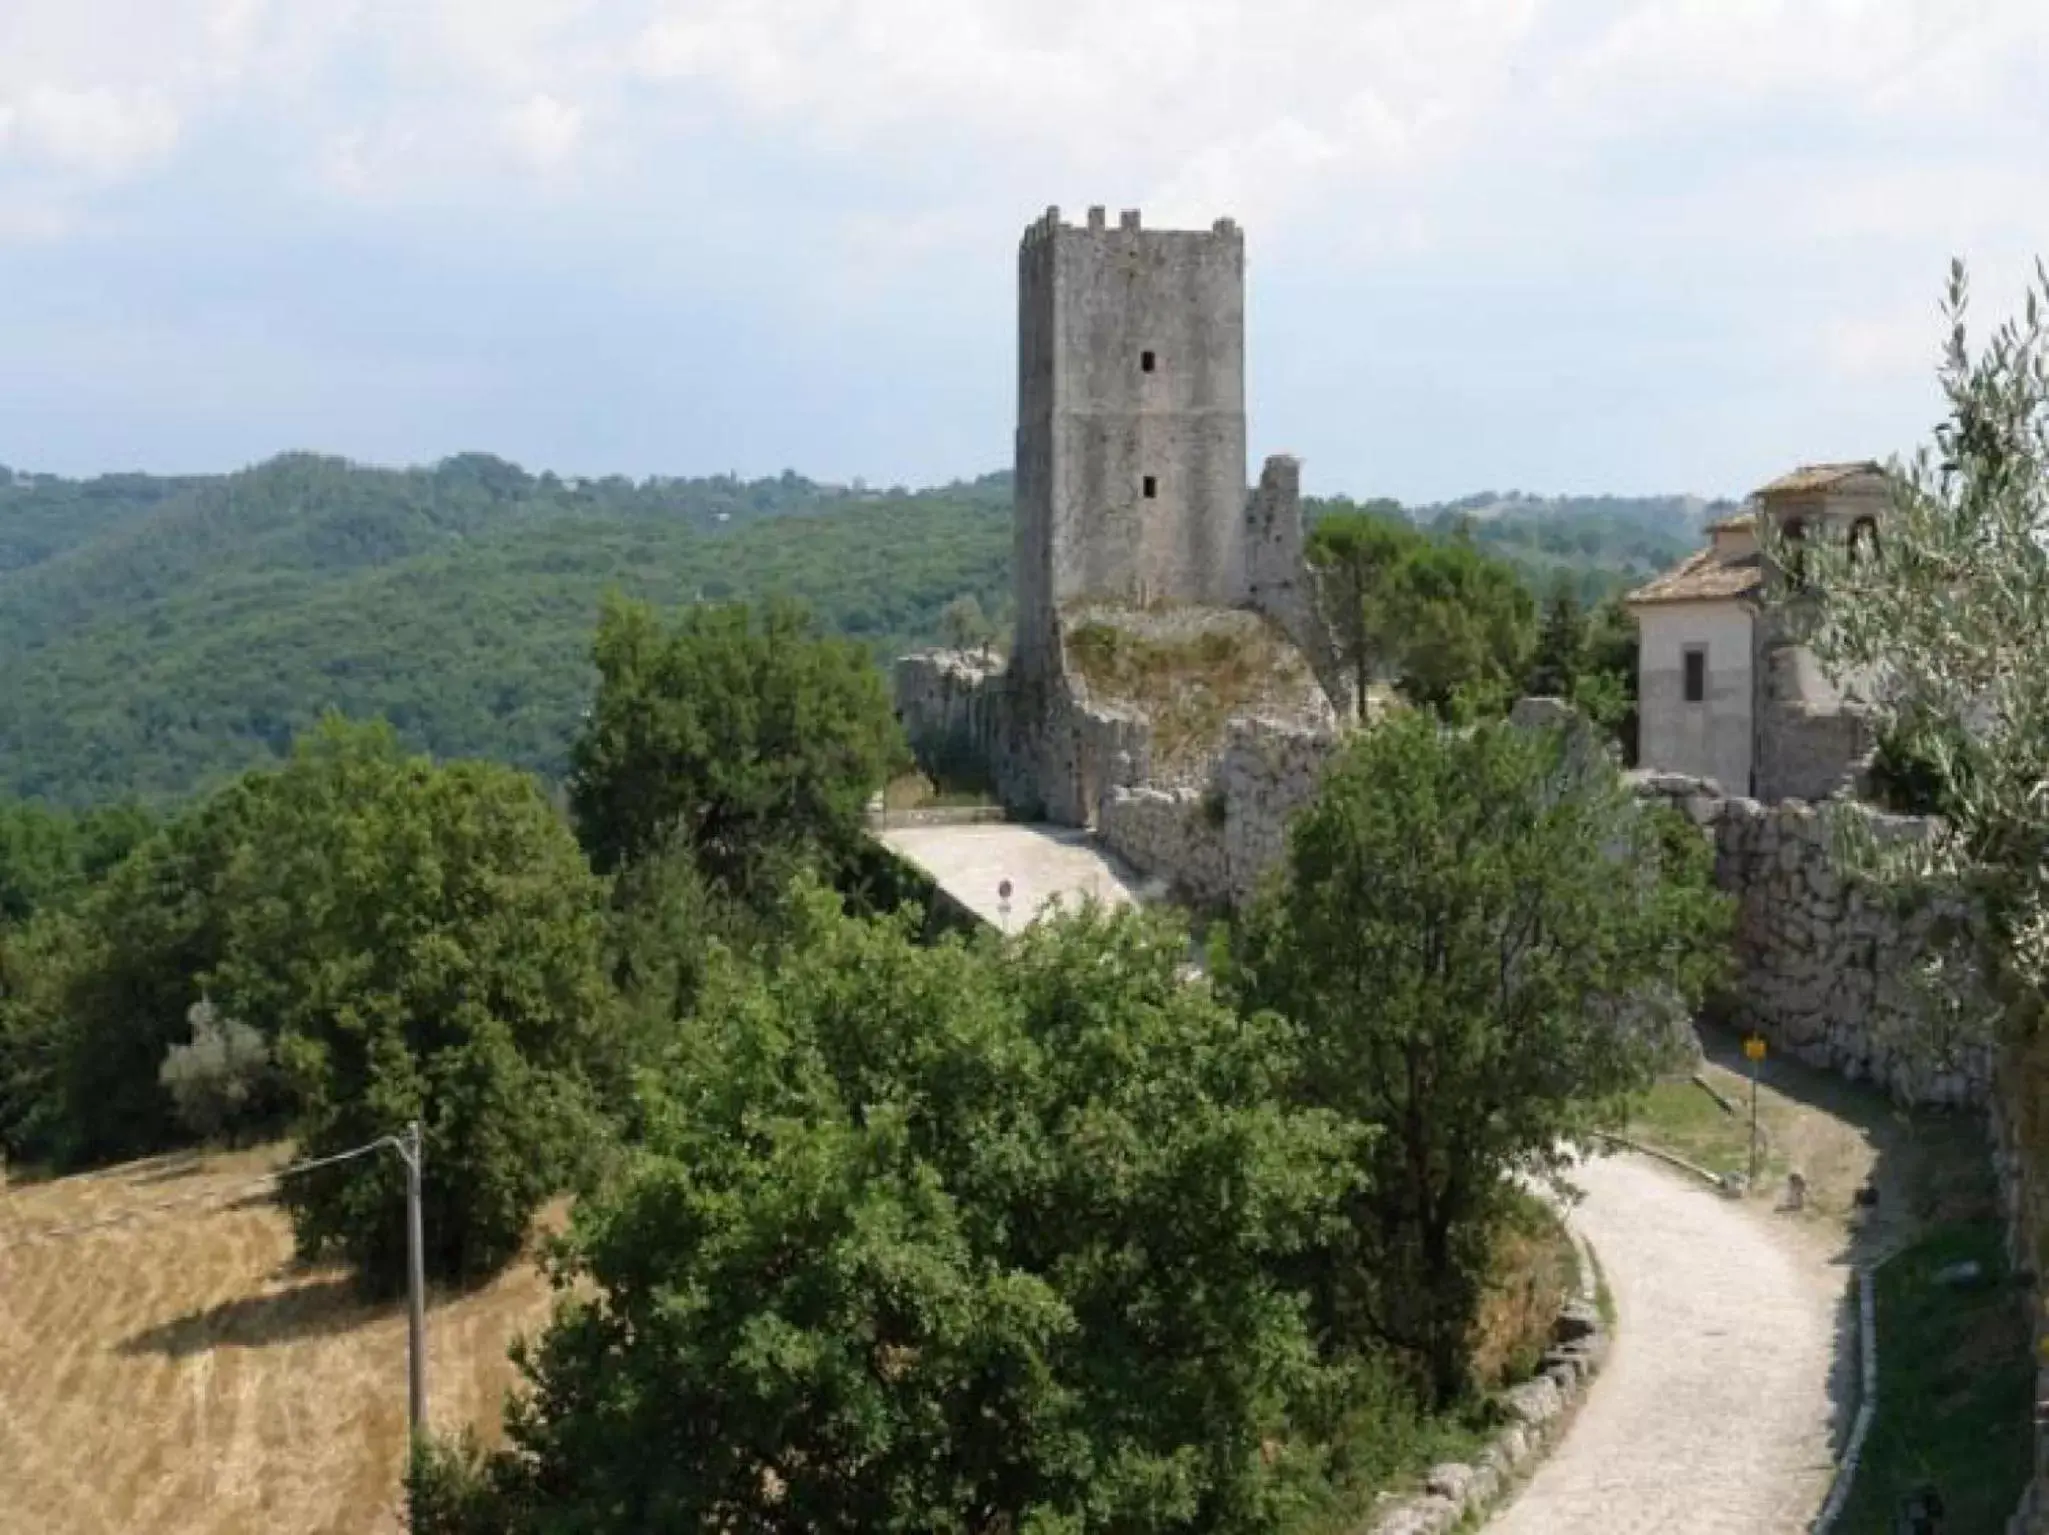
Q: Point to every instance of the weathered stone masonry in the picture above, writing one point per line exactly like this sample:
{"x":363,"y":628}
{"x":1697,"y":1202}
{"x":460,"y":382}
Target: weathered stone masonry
{"x":1131,"y":504}
{"x":1821,"y":959}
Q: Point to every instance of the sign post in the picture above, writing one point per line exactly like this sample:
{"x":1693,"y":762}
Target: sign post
{"x":1753,"y":1051}
{"x":1003,"y":906}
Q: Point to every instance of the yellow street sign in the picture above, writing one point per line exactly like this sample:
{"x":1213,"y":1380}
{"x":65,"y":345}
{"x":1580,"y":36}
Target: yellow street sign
{"x":1753,"y":1047}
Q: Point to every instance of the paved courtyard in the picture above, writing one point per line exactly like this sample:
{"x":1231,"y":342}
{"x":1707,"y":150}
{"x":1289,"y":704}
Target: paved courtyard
{"x":1044,"y":865}
{"x":1713,"y":1414}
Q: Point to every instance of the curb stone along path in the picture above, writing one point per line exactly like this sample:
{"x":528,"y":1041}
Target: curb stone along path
{"x":1712,"y":1414}
{"x":1538,"y":1407}
{"x":1867,"y":1401}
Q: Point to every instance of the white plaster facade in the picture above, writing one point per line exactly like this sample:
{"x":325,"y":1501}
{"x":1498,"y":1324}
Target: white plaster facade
{"x":1709,"y":737}
{"x":1754,"y":713}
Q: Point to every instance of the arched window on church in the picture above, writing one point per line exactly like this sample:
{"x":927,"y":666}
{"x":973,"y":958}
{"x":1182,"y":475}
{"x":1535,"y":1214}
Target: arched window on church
{"x":1864,"y":539}
{"x":1795,"y":531}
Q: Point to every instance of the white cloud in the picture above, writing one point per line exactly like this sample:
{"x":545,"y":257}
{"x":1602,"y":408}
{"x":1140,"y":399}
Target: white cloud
{"x":542,"y":131}
{"x":97,"y":132}
{"x":25,"y":223}
{"x":1880,"y":348}
{"x":1154,"y":83}
{"x":1769,"y":185}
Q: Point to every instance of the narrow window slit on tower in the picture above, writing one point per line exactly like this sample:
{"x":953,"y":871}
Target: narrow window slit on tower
{"x":1152,"y":487}
{"x":1696,"y":674}
{"x":1145,"y":362}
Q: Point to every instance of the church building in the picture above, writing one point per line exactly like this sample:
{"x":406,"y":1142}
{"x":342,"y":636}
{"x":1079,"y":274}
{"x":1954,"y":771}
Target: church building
{"x":1722,"y":693}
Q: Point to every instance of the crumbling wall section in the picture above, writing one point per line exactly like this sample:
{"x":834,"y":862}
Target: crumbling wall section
{"x":1805,"y":752}
{"x":1213,"y":844}
{"x":1823,"y":961}
{"x":959,"y":712}
{"x":1279,"y":581}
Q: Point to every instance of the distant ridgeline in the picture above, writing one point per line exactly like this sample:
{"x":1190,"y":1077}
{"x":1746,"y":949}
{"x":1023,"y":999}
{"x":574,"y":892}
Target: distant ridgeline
{"x":1598,"y":546}
{"x":160,"y":632}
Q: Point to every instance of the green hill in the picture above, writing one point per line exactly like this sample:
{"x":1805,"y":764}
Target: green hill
{"x":158,"y":633}
{"x":177,"y":638}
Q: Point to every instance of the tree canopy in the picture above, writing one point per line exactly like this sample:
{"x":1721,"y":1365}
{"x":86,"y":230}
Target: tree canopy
{"x":425,"y":942}
{"x":742,"y":733}
{"x":939,"y":1239}
{"x":1439,"y":618}
{"x":1942,"y":633}
{"x":1482,"y":939}
{"x":161,"y":635}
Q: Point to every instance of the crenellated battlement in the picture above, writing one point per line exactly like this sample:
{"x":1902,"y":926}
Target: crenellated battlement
{"x":1049,"y":224}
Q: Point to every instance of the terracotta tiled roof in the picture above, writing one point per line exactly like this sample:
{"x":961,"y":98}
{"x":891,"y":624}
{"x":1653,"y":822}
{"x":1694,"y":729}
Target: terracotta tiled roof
{"x":1703,"y":577}
{"x":1809,"y":478}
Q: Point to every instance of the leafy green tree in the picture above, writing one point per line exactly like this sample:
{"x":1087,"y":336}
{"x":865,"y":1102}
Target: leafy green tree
{"x":51,"y":855}
{"x":37,"y":858}
{"x":1466,"y":624}
{"x":1482,"y":940}
{"x":1588,"y":656}
{"x":114,"y":995}
{"x":425,"y":942}
{"x":934,"y":1238}
{"x":963,"y":625}
{"x":1607,"y":686}
{"x":744,"y":734}
{"x":1437,"y":615}
{"x":1940,"y":624}
{"x":33,"y":1036}
{"x":1357,"y":554}
{"x":1561,"y":654}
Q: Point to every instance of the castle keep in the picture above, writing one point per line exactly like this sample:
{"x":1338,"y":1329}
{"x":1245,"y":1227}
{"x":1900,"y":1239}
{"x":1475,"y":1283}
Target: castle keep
{"x":1141,"y":561}
{"x":1130,"y":475}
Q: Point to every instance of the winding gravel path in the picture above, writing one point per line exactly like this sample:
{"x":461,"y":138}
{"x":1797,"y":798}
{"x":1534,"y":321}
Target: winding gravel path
{"x":1712,"y":1414}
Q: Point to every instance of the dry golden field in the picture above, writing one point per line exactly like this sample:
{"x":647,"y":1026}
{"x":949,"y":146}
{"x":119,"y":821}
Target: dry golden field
{"x":177,"y":1375}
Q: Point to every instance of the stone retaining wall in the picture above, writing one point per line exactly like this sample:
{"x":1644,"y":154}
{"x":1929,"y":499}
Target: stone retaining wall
{"x":1822,"y":961}
{"x":1537,"y":1410}
{"x":1212,"y":845}
{"x":2019,"y":1119}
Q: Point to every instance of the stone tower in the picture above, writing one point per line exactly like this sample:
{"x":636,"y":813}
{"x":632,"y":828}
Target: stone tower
{"x":1130,"y":479}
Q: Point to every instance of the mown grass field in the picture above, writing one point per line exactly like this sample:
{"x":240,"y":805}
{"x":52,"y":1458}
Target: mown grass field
{"x":179,"y":1375}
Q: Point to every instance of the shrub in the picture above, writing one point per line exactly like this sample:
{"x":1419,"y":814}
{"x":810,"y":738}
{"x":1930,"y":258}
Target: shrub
{"x":222,"y":1083}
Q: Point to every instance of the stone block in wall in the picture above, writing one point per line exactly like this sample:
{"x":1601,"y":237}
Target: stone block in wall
{"x":1820,"y":968}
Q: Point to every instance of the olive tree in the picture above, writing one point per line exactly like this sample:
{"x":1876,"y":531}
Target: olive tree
{"x":1944,"y":628}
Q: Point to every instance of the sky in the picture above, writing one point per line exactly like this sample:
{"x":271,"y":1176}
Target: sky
{"x":1549,"y":245}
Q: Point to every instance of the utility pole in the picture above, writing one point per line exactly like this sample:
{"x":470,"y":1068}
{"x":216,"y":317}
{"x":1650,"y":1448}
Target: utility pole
{"x":416,"y":1291}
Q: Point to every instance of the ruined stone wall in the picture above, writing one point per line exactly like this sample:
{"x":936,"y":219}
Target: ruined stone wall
{"x":1279,"y":581}
{"x":1806,"y":752}
{"x":2019,"y":1128}
{"x":1808,"y":741}
{"x":1821,"y":960}
{"x":1213,"y":844}
{"x":958,"y":712}
{"x":1046,"y":751}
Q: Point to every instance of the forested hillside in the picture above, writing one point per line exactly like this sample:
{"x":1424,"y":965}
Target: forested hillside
{"x":154,"y":642}
{"x":161,"y":633}
{"x":1594,"y":546}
